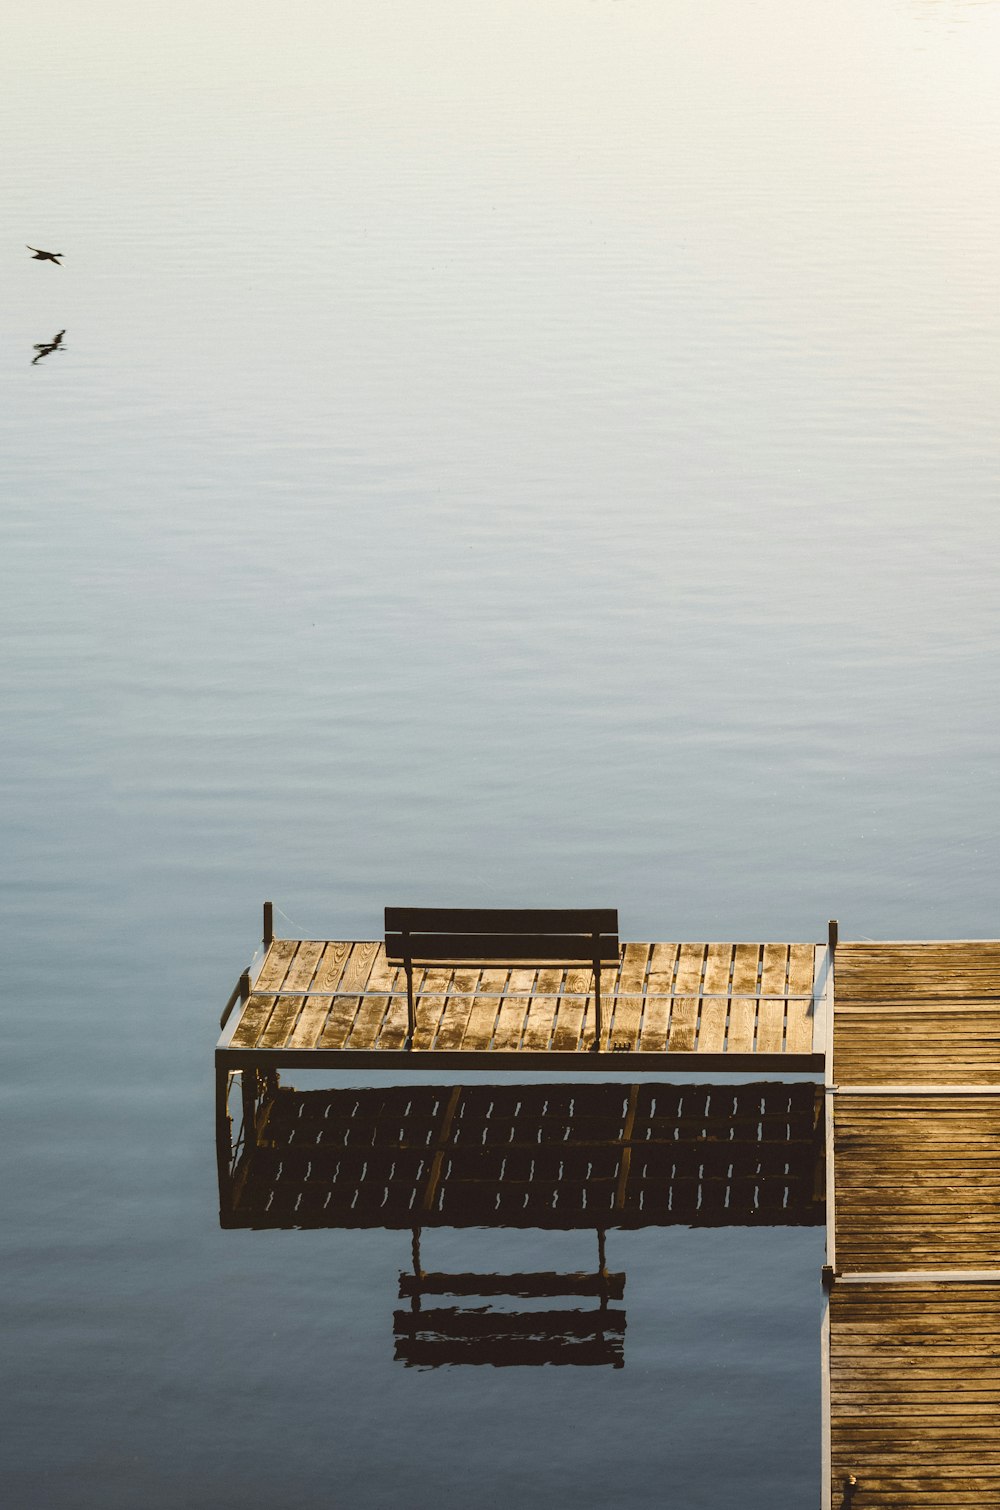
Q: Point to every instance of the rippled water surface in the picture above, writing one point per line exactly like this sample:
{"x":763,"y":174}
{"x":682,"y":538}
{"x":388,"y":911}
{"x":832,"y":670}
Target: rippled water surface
{"x":515,"y":453}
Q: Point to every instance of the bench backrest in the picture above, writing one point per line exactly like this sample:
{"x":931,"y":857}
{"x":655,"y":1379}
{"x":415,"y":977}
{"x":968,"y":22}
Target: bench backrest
{"x":533,"y":935}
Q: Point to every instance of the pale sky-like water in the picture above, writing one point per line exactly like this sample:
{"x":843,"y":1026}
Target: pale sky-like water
{"x":511,"y":454}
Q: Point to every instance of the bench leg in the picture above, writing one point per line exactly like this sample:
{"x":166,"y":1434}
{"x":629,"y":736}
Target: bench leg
{"x":597,"y":1008}
{"x":411,"y":1013}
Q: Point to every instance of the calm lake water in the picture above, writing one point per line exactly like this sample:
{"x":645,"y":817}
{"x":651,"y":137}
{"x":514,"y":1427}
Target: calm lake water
{"x":497,"y":454}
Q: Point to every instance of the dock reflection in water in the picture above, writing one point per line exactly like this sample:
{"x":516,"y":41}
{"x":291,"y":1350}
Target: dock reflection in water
{"x":588,"y":1157}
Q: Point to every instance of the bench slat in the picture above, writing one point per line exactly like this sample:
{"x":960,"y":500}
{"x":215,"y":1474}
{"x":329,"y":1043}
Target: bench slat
{"x":516,"y":920}
{"x":500,"y":946}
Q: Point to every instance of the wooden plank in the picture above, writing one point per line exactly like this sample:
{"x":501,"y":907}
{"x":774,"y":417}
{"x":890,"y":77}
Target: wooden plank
{"x":799,"y":1018}
{"x":771,"y":1013}
{"x":459,"y":1009}
{"x":656,"y":1018}
{"x":542,"y":1010}
{"x":485,"y":1007}
{"x":743,"y":1007}
{"x":315,"y":1010}
{"x":395,"y":1024}
{"x":501,"y":920}
{"x":431,"y":1004}
{"x":360,"y":965}
{"x":354,"y":973}
{"x":625,"y":1012}
{"x":275,"y":967}
{"x":299,"y":976}
{"x":687,"y":985}
{"x":375,"y":1002}
{"x":490,"y":948}
{"x":258,"y":1008}
{"x":714,"y":1006}
{"x":331,"y":966}
{"x":578,"y":986}
{"x":513,"y":1011}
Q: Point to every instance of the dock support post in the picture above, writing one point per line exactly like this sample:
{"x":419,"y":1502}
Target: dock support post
{"x":411,"y":1011}
{"x":832,"y":934}
{"x":268,"y":924}
{"x":597,"y":1005}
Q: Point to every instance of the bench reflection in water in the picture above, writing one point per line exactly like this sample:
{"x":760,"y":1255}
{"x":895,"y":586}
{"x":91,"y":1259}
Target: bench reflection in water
{"x":588,"y":1157}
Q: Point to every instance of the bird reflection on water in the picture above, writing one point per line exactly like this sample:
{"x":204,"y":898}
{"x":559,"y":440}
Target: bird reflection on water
{"x":557,"y":1157}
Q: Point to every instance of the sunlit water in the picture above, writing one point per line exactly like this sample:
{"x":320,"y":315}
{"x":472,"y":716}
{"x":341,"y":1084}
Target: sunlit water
{"x":497,"y":454}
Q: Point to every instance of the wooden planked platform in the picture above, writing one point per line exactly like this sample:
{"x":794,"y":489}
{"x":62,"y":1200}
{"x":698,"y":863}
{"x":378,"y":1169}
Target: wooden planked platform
{"x":918,"y":1014}
{"x":913,"y":1210}
{"x":915,"y":1385}
{"x":316,"y":1001}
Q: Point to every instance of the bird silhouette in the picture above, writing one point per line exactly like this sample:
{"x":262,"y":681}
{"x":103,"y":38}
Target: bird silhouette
{"x":44,"y":348}
{"x":41,"y":256}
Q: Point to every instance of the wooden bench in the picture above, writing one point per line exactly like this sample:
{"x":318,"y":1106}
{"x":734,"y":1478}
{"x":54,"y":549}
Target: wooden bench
{"x":518,"y":935}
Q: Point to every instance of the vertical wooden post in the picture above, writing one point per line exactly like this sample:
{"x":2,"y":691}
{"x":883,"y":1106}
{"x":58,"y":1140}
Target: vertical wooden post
{"x":832,"y":934}
{"x":268,"y":924}
{"x":411,"y":1011}
{"x":597,"y":1004}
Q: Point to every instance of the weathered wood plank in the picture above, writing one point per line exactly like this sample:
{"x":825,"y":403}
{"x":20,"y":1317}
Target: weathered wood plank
{"x":512,"y":920}
{"x":743,"y":1007}
{"x":577,"y":987}
{"x":771,"y":1013}
{"x":459,"y":1010}
{"x":316,"y":1009}
{"x":687,"y":986}
{"x":353,"y":976}
{"x":485,"y":1007}
{"x":286,"y":1011}
{"x":799,"y":1018}
{"x":626,"y":1014}
{"x":542,"y":1010}
{"x":257,"y":1010}
{"x":656,"y":1018}
{"x":714,"y":1007}
{"x":375,"y":1002}
{"x":513,"y":1011}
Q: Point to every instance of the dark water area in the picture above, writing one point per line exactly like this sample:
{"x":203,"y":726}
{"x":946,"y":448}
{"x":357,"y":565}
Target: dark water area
{"x":536,"y":456}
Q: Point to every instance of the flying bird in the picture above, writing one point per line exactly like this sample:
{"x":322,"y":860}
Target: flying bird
{"x":44,"y":348}
{"x":41,"y":256}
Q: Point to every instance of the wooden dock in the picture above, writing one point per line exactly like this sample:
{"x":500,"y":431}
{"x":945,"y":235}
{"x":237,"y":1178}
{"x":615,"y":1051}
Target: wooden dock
{"x":912,"y":1327}
{"x":714,"y":1006}
{"x":907,"y":1037}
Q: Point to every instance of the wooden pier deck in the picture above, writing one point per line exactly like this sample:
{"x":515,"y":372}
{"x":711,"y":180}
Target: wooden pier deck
{"x":907,"y":1037}
{"x":912,"y":1331}
{"x":717,"y":1006}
